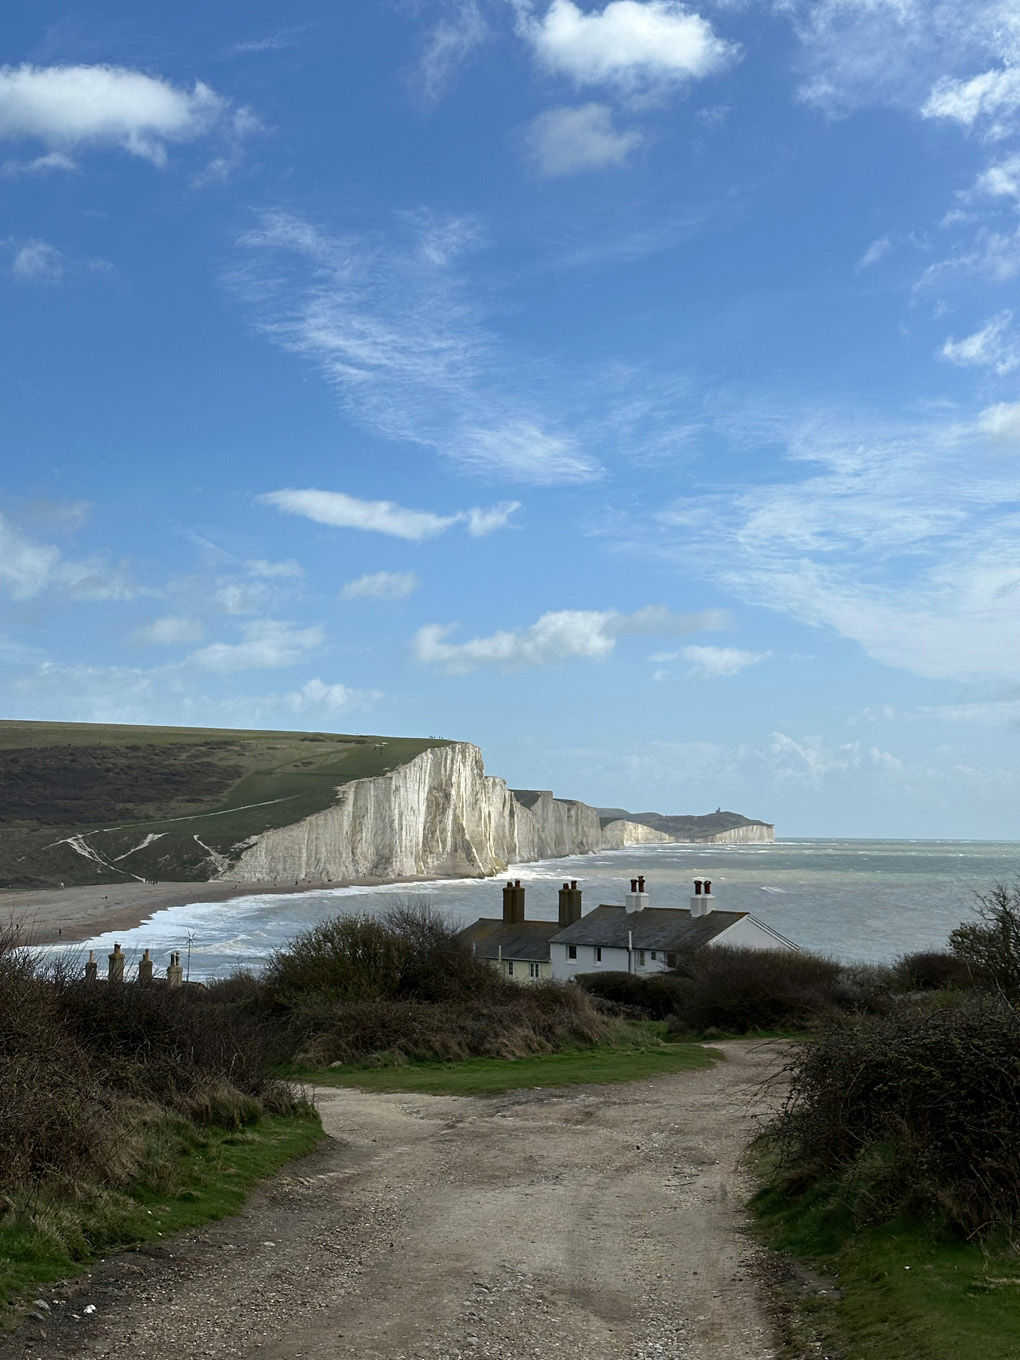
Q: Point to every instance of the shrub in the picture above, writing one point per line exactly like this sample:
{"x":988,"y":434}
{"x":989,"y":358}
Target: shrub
{"x":931,"y":970}
{"x":737,"y":990}
{"x":991,"y":949}
{"x":912,"y":1112}
{"x":658,"y":995}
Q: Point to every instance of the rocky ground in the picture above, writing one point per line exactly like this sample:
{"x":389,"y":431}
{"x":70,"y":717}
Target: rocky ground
{"x":582,"y":1223}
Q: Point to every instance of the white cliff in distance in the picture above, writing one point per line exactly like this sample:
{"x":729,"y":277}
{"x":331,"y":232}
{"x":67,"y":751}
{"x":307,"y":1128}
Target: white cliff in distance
{"x":440,"y":814}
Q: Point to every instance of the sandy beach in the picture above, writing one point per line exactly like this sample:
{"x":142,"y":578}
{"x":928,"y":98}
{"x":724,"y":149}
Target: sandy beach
{"x":52,"y":915}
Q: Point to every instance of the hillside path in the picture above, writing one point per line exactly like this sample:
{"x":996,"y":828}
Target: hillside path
{"x":582,"y":1223}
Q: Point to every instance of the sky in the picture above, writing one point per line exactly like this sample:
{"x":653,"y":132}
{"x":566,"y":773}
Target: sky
{"x":630,"y":388}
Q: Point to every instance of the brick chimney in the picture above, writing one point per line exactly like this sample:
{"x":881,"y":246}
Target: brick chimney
{"x":175,"y":973}
{"x":145,"y":968}
{"x":513,"y":903}
{"x":570,"y":903}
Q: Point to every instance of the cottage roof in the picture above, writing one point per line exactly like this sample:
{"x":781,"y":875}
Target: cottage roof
{"x":524,"y":940}
{"x":667,"y":928}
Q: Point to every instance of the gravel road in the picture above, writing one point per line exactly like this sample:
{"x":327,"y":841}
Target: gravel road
{"x":582,"y":1223}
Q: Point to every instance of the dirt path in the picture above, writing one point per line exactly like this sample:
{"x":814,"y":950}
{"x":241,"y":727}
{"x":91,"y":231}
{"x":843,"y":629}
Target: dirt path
{"x":593,"y":1223}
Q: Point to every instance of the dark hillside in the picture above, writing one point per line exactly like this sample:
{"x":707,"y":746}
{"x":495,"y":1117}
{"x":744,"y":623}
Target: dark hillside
{"x":159,"y":802}
{"x":684,"y":828}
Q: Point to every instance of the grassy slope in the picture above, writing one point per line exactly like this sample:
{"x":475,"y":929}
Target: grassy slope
{"x":119,"y":784}
{"x":212,"y":1173}
{"x":489,"y":1076}
{"x":897,"y":1292}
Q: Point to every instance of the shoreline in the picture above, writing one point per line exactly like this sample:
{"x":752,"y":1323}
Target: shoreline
{"x":37,"y":916}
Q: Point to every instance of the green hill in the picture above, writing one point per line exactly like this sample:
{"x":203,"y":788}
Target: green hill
{"x":159,"y":802}
{"x":683,"y":828}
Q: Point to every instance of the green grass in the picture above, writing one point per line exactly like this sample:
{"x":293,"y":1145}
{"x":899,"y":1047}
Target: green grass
{"x":208,"y":1177}
{"x":902,"y":1291}
{"x":489,"y":1076}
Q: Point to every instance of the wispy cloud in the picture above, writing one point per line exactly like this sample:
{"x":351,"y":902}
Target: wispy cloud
{"x":570,"y":140}
{"x":989,"y":101}
{"x":449,"y":43}
{"x":37,"y":262}
{"x":904,"y":539}
{"x":382,"y":585}
{"x":391,"y":326}
{"x":636,"y":46}
{"x":875,"y":252}
{"x":30,"y":568}
{"x":994,"y":346}
{"x":264,"y":644}
{"x":341,"y":511}
{"x":563,"y":635}
{"x":718,"y":663}
{"x":315,"y":696}
{"x":171,"y":630}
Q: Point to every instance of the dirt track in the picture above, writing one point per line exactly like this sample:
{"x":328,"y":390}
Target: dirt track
{"x":588,"y":1223}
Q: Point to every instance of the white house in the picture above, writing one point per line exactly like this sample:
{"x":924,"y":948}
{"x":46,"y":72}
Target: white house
{"x":637,"y":938}
{"x":634,"y":938}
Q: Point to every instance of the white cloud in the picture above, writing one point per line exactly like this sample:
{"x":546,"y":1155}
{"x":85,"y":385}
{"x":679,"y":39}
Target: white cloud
{"x":341,"y":511}
{"x":317,"y":696}
{"x":716,"y":663}
{"x":856,"y":53}
{"x":382,"y":585}
{"x":266,"y":643}
{"x":993,"y":346}
{"x":72,"y":107}
{"x":563,"y":635}
{"x":988,"y":98}
{"x":565,"y":141}
{"x":170,"y":630}
{"x":1001,"y":180}
{"x":38,"y":165}
{"x":29,"y":568}
{"x":390,"y":325}
{"x":450,"y":43}
{"x":631,"y":44}
{"x":37,"y":262}
{"x":809,"y":760}
{"x":258,"y":566}
{"x":875,"y":252}
{"x":1001,"y":421}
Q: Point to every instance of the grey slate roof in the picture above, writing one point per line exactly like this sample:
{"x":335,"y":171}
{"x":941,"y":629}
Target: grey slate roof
{"x":527,"y":940}
{"x":666,"y":928}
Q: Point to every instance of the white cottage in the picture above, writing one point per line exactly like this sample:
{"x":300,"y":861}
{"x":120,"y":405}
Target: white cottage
{"x":637,"y":938}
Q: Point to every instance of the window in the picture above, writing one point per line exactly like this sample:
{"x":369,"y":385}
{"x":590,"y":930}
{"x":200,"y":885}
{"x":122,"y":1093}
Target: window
{"x":641,"y":958}
{"x":510,"y":968}
{"x":598,"y":953}
{"x":654,"y":956}
{"x":534,"y":970}
{"x":571,"y":951}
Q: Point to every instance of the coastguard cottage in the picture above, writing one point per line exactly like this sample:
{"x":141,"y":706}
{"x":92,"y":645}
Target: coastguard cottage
{"x":639,"y":938}
{"x":632,"y":938}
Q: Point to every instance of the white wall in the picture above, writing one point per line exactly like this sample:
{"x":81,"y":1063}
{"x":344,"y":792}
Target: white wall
{"x":612,"y":961}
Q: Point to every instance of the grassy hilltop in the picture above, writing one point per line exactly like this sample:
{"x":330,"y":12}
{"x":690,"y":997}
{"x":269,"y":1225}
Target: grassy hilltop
{"x":161,"y":802}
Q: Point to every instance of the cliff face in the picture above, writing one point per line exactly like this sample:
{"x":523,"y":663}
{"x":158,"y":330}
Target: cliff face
{"x":615,"y":835}
{"x":438,"y":814}
{"x":757,"y":833}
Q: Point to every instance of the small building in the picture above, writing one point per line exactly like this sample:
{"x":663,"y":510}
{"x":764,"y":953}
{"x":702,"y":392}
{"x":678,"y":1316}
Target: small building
{"x":519,"y":948}
{"x":637,"y":938}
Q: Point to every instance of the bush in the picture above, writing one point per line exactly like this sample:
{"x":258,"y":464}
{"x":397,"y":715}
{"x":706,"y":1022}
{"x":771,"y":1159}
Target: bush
{"x":991,"y":950}
{"x":931,"y":970}
{"x":739,"y":990}
{"x":658,"y":995}
{"x":912,"y":1112}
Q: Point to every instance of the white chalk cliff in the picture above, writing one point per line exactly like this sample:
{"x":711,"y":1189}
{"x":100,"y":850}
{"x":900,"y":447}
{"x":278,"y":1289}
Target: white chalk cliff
{"x":440,"y":814}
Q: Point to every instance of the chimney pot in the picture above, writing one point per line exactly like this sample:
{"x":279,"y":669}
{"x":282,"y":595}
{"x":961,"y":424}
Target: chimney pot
{"x":573,"y":884}
{"x":697,"y":887}
{"x":708,"y":887}
{"x":641,"y":884}
{"x":633,"y":885}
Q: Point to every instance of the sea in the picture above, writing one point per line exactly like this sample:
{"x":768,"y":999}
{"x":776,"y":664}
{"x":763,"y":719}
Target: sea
{"x":868,"y":900}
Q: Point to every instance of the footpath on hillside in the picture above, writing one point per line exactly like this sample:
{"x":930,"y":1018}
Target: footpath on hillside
{"x":583,"y":1223}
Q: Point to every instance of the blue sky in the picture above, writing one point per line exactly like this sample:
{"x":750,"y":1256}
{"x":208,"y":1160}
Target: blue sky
{"x":629,"y":388}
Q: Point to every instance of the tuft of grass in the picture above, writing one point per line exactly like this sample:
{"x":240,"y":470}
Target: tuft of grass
{"x":490,"y":1076}
{"x":898,"y":1291}
{"x":195,"y":1177}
